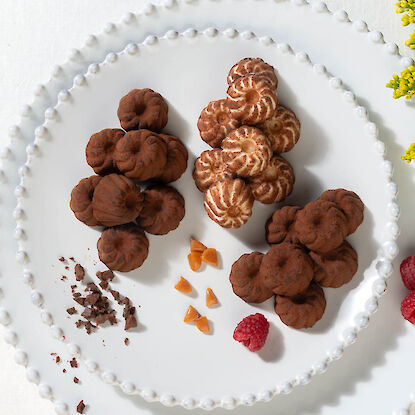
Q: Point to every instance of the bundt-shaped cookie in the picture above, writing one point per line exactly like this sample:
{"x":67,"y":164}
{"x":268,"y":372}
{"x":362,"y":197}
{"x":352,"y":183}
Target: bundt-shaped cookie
{"x":100,"y":148}
{"x":349,"y":203}
{"x":117,"y":200}
{"x":209,"y":168}
{"x":287,"y":269}
{"x":163,"y":209}
{"x":250,"y":66}
{"x":123,"y":248}
{"x":275,"y":183}
{"x":216,"y":122}
{"x":252,"y":99}
{"x":282,"y":130}
{"x":177,"y":156}
{"x":279,"y":227}
{"x":81,"y":200}
{"x":337,"y":267}
{"x":302,"y":311}
{"x":143,"y":109}
{"x":141,"y":155}
{"x":321,"y":226}
{"x":246,"y":151}
{"x":247,"y":282}
{"x":229,"y":203}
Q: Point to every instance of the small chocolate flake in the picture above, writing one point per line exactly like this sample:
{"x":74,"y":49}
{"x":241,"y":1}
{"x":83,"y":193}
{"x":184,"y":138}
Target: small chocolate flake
{"x":58,"y":359}
{"x":106,"y":275}
{"x":116,"y":295}
{"x":53,"y":354}
{"x":80,"y":408}
{"x":72,"y":258}
{"x":80,"y":300}
{"x":126,"y":341}
{"x":67,"y":268}
{"x":73,"y":362}
{"x":89,"y":313}
{"x":71,"y":310}
{"x":92,"y":298}
{"x":76,"y":380}
{"x":64,"y":371}
{"x":103,"y":285}
{"x":62,"y":259}
{"x":126,"y":301}
{"x":79,"y":272}
{"x":130,"y":322}
{"x":92,"y":287}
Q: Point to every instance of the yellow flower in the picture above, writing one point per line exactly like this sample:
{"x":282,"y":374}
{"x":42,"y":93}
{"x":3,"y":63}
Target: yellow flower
{"x":410,"y":153}
{"x":407,"y":7}
{"x":404,"y":85}
{"x":411,"y":41}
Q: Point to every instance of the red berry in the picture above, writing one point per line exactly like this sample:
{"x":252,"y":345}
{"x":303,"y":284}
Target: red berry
{"x":252,"y":331}
{"x":408,"y":307}
{"x":408,"y":272}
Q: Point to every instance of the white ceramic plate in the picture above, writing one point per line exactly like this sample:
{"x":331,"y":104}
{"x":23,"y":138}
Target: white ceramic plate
{"x":189,"y":71}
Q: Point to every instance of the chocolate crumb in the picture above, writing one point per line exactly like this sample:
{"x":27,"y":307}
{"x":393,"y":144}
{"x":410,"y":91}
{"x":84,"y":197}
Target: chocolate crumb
{"x":92,"y":299}
{"x":116,"y":295}
{"x":58,"y":359}
{"x":80,"y":408}
{"x":73,"y":362}
{"x":53,"y":354}
{"x":72,"y":258}
{"x":79,"y":300}
{"x":103,"y":285}
{"x":126,"y":341}
{"x":106,"y":275}
{"x":64,"y":277}
{"x":79,"y":272}
{"x":71,"y":310}
{"x":130,"y":322}
{"x":76,"y":380}
{"x":92,"y":287}
{"x":64,"y":371}
{"x":62,"y":259}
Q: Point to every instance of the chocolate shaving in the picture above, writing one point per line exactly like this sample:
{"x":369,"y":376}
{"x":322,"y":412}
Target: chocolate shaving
{"x":79,"y":272}
{"x":80,"y":408}
{"x":71,"y":310}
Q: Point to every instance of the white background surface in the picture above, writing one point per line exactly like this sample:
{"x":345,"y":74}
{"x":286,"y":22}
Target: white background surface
{"x":36,"y":35}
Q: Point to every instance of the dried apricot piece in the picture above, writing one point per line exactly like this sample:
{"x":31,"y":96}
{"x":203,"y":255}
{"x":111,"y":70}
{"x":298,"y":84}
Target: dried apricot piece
{"x":202,"y":324}
{"x":195,"y":260}
{"x":191,"y":315}
{"x":183,"y":286}
{"x":211,"y":299}
{"x":210,"y":256}
{"x":196,"y":246}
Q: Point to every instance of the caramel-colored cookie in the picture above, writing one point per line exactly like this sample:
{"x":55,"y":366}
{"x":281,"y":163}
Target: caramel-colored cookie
{"x":247,"y":282}
{"x":275,"y":183}
{"x":287,"y":269}
{"x":117,"y":200}
{"x":210,"y":168}
{"x":321,"y":226}
{"x":282,"y":130}
{"x":177,"y":156}
{"x":100,"y":148}
{"x":280,"y":226}
{"x":337,"y":267}
{"x":123,"y":248}
{"x":216,"y":122}
{"x":350,"y":204}
{"x":250,"y":66}
{"x":246,"y":151}
{"x":229,"y":203}
{"x":141,"y":155}
{"x":143,"y":109}
{"x":162,"y":211}
{"x":81,"y":200}
{"x":252,"y":99}
{"x":303,"y":310}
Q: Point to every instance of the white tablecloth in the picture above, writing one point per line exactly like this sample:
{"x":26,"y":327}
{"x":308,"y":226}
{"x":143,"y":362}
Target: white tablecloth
{"x":35,"y":35}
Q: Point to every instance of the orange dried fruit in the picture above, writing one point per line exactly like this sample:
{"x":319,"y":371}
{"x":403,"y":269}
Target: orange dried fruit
{"x":191,"y":315}
{"x":210,"y":256}
{"x":211,"y":299}
{"x":195,"y":260}
{"x":196,"y":246}
{"x":183,"y":286}
{"x":202,"y":324}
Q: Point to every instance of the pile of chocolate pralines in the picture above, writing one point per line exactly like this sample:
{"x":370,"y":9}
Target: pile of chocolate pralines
{"x":247,"y":131}
{"x":308,"y":250}
{"x":123,"y":160}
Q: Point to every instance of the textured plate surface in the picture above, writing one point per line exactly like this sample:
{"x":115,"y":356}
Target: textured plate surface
{"x":333,"y":127}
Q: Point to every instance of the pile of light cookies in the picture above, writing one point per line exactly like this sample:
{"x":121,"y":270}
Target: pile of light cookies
{"x":247,"y":132}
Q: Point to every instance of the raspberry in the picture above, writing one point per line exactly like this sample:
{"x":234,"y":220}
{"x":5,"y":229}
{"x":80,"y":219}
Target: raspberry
{"x":408,"y":307}
{"x":252,"y":331}
{"x":408,"y":272}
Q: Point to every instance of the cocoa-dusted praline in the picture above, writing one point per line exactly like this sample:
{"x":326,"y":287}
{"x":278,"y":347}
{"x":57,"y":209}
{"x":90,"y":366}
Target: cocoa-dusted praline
{"x":321,"y":226}
{"x":287,"y":269}
{"x":247,"y":282}
{"x":123,"y":248}
{"x":117,"y":200}
{"x":141,"y":155}
{"x":349,"y":203}
{"x":163,"y":209}
{"x":248,"y":66}
{"x":100,"y":148}
{"x":143,"y":108}
{"x":302,"y":311}
{"x":177,"y":157}
{"x":81,"y":200}
{"x":337,"y":267}
{"x":280,"y":226}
